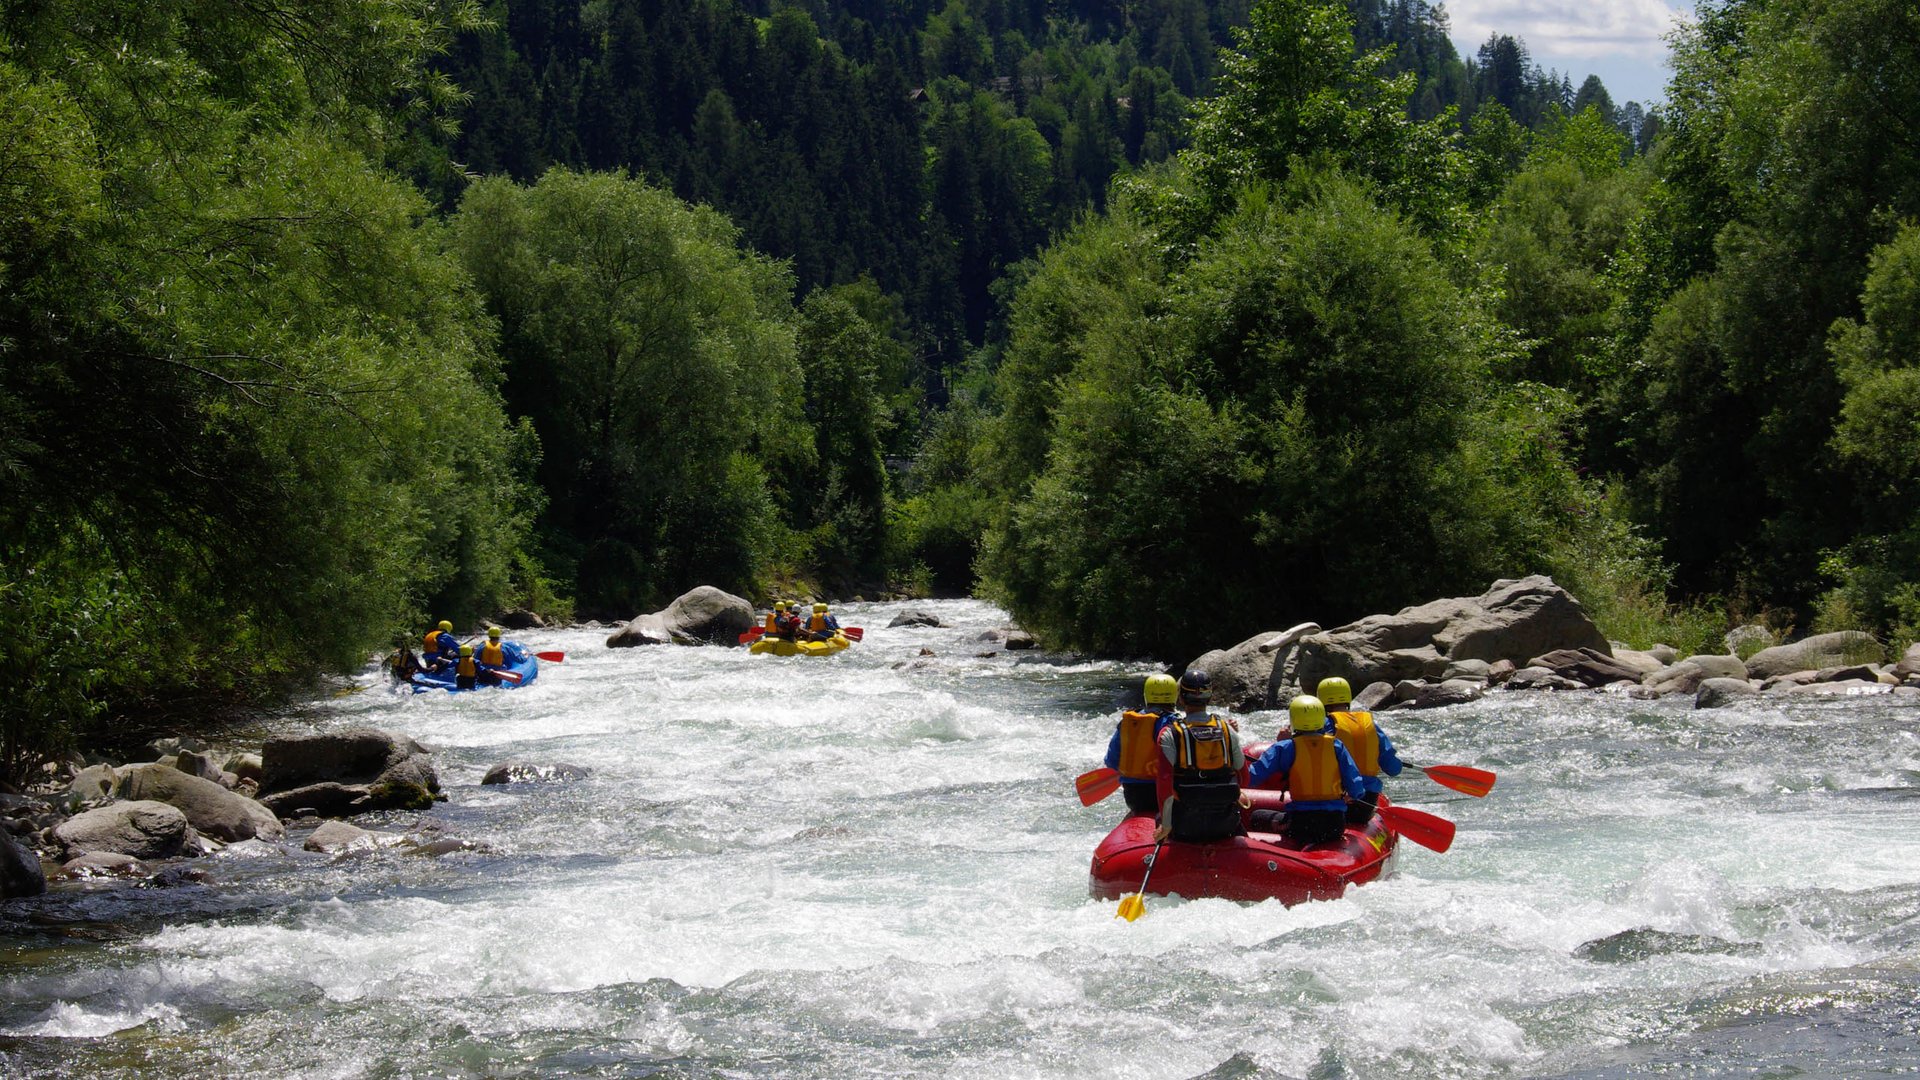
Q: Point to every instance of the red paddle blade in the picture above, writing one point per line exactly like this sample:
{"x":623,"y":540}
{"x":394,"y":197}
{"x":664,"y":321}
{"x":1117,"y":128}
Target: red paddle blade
{"x":854,"y":633}
{"x":1096,"y":785}
{"x":1463,"y":778}
{"x":1427,"y":830}
{"x":552,"y":657}
{"x":509,"y":676}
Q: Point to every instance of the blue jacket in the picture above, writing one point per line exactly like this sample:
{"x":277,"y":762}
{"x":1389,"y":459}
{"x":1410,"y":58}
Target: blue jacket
{"x":1278,"y":761}
{"x":445,"y":644}
{"x":1113,"y":744}
{"x":1389,"y":761}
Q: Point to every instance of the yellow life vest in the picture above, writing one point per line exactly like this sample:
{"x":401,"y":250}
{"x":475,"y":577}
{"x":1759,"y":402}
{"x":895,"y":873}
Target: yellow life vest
{"x":1139,"y":753}
{"x":465,"y":667}
{"x":492,"y":655}
{"x":1315,"y":776}
{"x":1361,"y":738}
{"x":1201,"y":745}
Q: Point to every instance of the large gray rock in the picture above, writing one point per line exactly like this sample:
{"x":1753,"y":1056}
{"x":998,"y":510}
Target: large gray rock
{"x":1715,"y":692}
{"x":354,"y":756}
{"x":1435,"y":695}
{"x":1374,"y":696}
{"x":1586,"y":667}
{"x":144,"y":830}
{"x":914,"y":617}
{"x":1810,"y":654}
{"x":1685,"y":676}
{"x":211,"y":809}
{"x":1749,"y":638}
{"x":20,"y":872}
{"x":1239,"y":674}
{"x":1643,"y":663}
{"x":95,"y":782}
{"x":703,"y":616}
{"x":1909,"y":664}
{"x":1515,"y":620}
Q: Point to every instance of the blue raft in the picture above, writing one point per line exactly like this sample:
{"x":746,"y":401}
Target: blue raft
{"x":519,"y":662}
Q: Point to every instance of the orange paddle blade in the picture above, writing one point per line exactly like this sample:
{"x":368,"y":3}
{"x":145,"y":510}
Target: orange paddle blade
{"x":1463,"y":778}
{"x":1096,"y":785}
{"x":1427,"y":830}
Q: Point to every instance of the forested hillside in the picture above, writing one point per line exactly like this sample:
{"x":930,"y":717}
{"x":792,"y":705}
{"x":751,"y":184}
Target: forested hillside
{"x":1160,"y":323}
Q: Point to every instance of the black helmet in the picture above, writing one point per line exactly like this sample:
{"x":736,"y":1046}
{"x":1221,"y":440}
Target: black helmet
{"x":1195,"y":685}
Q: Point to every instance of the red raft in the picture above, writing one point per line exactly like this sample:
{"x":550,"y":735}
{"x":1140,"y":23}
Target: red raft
{"x":1257,"y":866}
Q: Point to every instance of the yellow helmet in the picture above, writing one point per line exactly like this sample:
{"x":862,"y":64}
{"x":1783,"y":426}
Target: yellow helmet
{"x":1334,"y":691}
{"x":447,"y":626}
{"x":819,"y":607}
{"x":779,"y":605}
{"x":493,"y":631}
{"x":466,"y":650}
{"x":1306,"y":714}
{"x":1160,"y":690}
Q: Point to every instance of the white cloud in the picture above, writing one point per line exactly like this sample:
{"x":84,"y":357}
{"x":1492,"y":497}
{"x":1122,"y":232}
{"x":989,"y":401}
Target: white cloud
{"x":1624,"y":29}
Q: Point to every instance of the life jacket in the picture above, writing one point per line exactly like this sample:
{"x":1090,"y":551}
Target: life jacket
{"x":1206,"y":785}
{"x":492,"y":655}
{"x":465,"y":667}
{"x":432,"y":643}
{"x":1139,"y":753}
{"x":1361,"y":738}
{"x":817,"y":623}
{"x":1315,"y":776}
{"x":773,"y":621}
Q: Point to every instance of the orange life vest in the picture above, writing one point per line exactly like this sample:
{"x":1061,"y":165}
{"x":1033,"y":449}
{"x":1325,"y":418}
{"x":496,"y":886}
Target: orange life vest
{"x":429,"y":646}
{"x":1139,"y":753}
{"x":1315,"y":776}
{"x":817,"y":623}
{"x":492,"y":655}
{"x":1200,"y":746}
{"x":773,"y":622}
{"x":1361,"y":738}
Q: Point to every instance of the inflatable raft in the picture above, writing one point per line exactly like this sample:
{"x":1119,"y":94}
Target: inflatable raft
{"x":519,"y":662}
{"x":783,"y":647}
{"x":1257,"y":866}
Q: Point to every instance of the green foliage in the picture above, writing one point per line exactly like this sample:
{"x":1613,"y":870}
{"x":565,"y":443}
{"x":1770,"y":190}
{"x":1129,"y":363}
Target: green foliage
{"x":656,"y":359}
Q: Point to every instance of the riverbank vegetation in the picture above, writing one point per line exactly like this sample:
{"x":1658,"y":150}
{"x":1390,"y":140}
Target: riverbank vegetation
{"x":1161,"y":324}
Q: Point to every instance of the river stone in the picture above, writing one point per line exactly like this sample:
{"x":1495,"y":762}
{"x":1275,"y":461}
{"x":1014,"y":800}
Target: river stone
{"x":326,"y":799}
{"x":20,"y":872}
{"x":1749,"y":638}
{"x":104,"y":864}
{"x":1447,"y":692}
{"x":246,"y":766}
{"x":1539,"y":678}
{"x":1716,"y":692}
{"x":194,"y":763}
{"x":520,"y":619}
{"x":171,"y":745}
{"x":1239,"y":674}
{"x":1374,"y":696}
{"x":210,"y":808}
{"x":143,"y":829}
{"x":1643,"y":663}
{"x":1811,"y":654}
{"x":1845,"y":688}
{"x":1468,"y":669}
{"x":704,"y":615}
{"x":914,"y":617}
{"x":519,"y":772}
{"x":1909,"y":664}
{"x":1586,"y":666}
{"x":355,"y":756}
{"x":337,"y":837}
{"x":1514,"y":620}
{"x":1019,"y":640}
{"x":93,"y":783}
{"x":1685,"y":676}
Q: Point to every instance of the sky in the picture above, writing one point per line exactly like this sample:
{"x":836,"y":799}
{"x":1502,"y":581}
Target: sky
{"x":1622,"y":41}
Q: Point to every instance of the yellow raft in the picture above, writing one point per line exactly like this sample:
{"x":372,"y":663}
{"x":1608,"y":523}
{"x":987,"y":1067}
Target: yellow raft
{"x":782,"y":647}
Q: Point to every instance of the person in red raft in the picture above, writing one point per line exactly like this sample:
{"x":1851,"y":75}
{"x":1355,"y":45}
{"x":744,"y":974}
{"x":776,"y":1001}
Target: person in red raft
{"x":1199,"y":781}
{"x":1317,"y":773}
{"x":1134,"y":750}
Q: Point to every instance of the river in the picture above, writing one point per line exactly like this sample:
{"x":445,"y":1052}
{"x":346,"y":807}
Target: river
{"x":873,"y":864}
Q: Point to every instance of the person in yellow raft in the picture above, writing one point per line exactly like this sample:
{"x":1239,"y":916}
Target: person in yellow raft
{"x":822,"y":626}
{"x":491,"y":658}
{"x":1365,"y":741}
{"x":776,"y":619}
{"x":1134,"y":750}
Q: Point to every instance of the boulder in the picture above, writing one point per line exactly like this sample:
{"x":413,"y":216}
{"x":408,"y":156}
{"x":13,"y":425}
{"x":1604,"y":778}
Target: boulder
{"x":1811,"y":654}
{"x":1514,"y":620}
{"x":1586,"y":666}
{"x":324,"y":799}
{"x":914,"y":617}
{"x":338,"y":837}
{"x":211,"y":809}
{"x":1685,"y":676}
{"x":354,"y":756}
{"x":93,"y":783}
{"x":246,"y":767}
{"x":1374,"y":696}
{"x":1468,"y":669}
{"x":1020,"y":640}
{"x":520,"y":619}
{"x":1539,"y":678}
{"x":1715,"y":692}
{"x":194,"y":763}
{"x":1909,"y":664}
{"x":20,"y":872}
{"x":1449,"y":692}
{"x":1239,"y":674}
{"x":702,"y":616}
{"x":142,"y":829}
{"x":104,"y":864}
{"x":1500,"y":671}
{"x":1749,"y":638}
{"x":171,"y":745}
{"x":1666,"y":654}
{"x":519,"y":772}
{"x":1642,"y":663}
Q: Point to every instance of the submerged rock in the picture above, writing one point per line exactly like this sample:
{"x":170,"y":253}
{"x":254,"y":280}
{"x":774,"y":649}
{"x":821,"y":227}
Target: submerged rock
{"x":20,"y":872}
{"x":519,"y":772}
{"x":1644,"y":943}
{"x":914,"y":617}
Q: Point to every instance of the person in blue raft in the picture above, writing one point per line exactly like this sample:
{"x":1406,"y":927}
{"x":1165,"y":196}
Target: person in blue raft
{"x":1317,"y":773}
{"x":440,"y":647}
{"x":1365,"y":741}
{"x":1134,"y":750}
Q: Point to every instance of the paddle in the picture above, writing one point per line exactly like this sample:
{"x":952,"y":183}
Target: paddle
{"x":555,"y":657}
{"x":513,"y":677}
{"x":1096,"y":785}
{"x":1134,"y":905}
{"x":1427,"y":830}
{"x":854,"y":633}
{"x":1465,"y":778}
{"x":752,"y":635}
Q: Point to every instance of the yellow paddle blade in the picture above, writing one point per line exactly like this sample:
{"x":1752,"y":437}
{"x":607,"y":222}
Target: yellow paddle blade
{"x":1132,"y":906}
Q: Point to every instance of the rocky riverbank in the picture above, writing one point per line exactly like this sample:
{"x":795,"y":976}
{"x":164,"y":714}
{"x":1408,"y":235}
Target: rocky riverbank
{"x":1529,"y":634}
